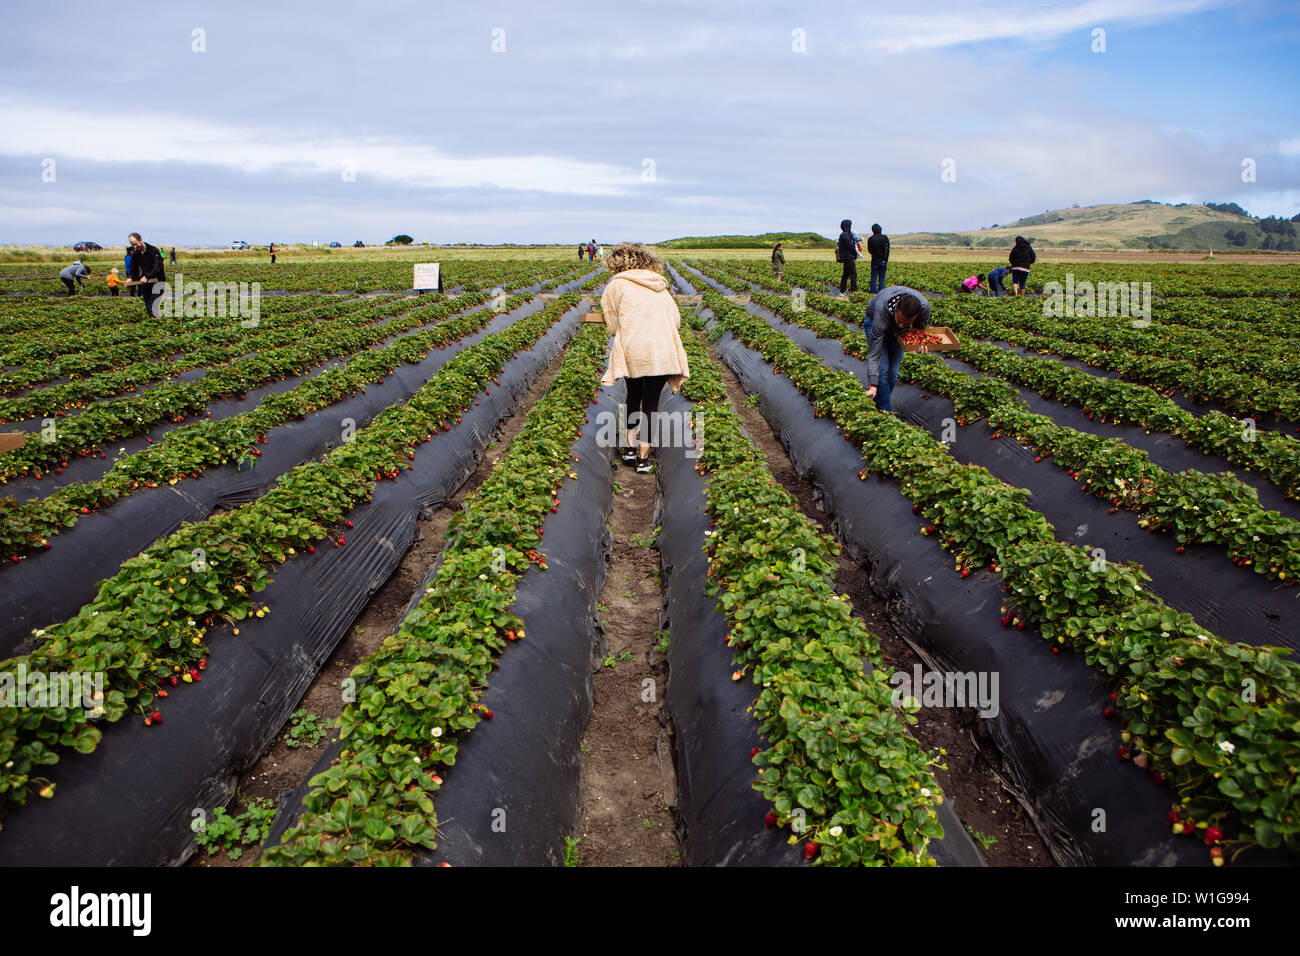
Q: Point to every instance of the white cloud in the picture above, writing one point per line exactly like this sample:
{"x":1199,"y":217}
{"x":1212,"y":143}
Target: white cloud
{"x":37,"y":130}
{"x":957,"y":24}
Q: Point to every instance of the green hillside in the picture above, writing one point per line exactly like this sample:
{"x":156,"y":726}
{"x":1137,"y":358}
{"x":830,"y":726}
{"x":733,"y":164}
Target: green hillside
{"x":1136,"y":225}
{"x":792,"y":240}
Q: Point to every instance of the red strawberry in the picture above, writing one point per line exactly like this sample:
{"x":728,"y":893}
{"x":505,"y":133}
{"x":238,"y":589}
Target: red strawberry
{"x":753,"y":752}
{"x":85,"y":511}
{"x":194,"y":673}
{"x":510,"y":635}
{"x":348,"y":523}
{"x":1006,"y":620}
{"x":1055,"y":650}
{"x":162,"y":693}
{"x":1178,"y":550}
{"x":16,"y":559}
{"x":156,"y":717}
{"x":1216,"y":855}
{"x":769,"y":821}
{"x":1122,"y":753}
{"x":175,"y":682}
{"x":1107,"y":712}
{"x":487,"y":712}
{"x":203,"y":664}
{"x":1113,"y":696}
{"x":809,"y":850}
{"x":311,"y":548}
{"x":1213,"y":835}
{"x":965,"y":572}
{"x":916,"y":509}
{"x":1020,"y":626}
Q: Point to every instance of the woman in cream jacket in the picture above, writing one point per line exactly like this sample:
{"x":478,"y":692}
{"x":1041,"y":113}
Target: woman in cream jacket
{"x":642,"y":316}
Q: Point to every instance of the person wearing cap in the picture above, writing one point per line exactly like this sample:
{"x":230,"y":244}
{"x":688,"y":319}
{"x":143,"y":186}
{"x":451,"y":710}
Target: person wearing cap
{"x":889,"y":314}
{"x":74,"y":277}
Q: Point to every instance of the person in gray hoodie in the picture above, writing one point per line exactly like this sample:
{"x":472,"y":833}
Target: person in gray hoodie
{"x":846,"y":252}
{"x":891,"y":312}
{"x":74,"y":276}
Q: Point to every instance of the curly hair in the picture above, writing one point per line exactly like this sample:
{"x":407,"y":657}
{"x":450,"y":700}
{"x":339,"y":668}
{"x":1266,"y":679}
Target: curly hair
{"x":632,"y":255}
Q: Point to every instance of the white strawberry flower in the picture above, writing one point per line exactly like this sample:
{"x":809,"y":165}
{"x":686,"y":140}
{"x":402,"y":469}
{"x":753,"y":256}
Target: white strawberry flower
{"x":1226,"y":746}
{"x":925,"y":791}
{"x":437,"y":731}
{"x":836,"y":831}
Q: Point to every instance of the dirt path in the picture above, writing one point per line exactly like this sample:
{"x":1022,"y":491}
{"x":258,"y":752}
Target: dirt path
{"x":983,"y":803}
{"x":627,"y":771}
{"x":282,"y":767}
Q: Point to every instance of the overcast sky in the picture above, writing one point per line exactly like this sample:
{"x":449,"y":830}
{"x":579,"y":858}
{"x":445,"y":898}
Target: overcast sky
{"x":507,"y":121}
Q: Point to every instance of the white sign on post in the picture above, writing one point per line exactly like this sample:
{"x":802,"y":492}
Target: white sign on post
{"x":427,"y":276}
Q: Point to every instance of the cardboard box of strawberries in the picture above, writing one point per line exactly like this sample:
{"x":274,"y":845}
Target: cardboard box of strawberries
{"x":935,"y":338}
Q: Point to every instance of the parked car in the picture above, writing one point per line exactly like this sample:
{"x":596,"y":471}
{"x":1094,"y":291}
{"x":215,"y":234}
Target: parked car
{"x":240,"y":244}
{"x":358,"y":244}
{"x":86,"y":247}
{"x":336,"y":245}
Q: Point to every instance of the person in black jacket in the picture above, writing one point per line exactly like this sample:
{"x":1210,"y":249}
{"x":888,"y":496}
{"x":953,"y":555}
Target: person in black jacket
{"x":890,"y":313}
{"x":1021,"y":258}
{"x":146,"y":271}
{"x":878,"y":249}
{"x":846,"y":252}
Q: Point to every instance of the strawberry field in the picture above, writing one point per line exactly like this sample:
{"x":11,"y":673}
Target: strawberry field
{"x":1097,"y":514}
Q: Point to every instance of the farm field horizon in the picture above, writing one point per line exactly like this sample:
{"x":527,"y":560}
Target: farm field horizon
{"x":728,"y":441}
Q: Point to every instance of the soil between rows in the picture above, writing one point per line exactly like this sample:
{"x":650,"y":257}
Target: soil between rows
{"x":971,"y":780}
{"x":628,"y":784}
{"x":282,"y":768}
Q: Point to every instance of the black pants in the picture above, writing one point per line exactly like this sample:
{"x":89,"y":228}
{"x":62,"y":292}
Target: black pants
{"x":149,"y":293}
{"x":849,"y":277}
{"x":643,"y":398}
{"x":112,"y":290}
{"x":72,"y":286}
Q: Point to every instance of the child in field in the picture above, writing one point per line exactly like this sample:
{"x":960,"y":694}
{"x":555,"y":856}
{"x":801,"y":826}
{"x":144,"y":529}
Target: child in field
{"x":114,"y":283}
{"x":971,"y":283}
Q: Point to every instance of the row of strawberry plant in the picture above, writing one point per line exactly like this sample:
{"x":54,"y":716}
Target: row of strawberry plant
{"x":1273,"y":455}
{"x":171,"y":337}
{"x":417,"y":695}
{"x":124,"y":417}
{"x":216,"y":347}
{"x":1244,"y":373}
{"x":77,"y":327}
{"x":839,"y":751}
{"x":145,"y":629}
{"x":1214,"y":719}
{"x":186,"y":451}
{"x":1193,"y":506}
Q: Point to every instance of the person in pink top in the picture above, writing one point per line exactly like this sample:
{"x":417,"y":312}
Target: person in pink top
{"x":971,"y":283}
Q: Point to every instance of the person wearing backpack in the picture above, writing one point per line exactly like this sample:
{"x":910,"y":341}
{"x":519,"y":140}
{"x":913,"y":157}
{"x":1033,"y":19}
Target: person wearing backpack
{"x":1021,"y":258}
{"x":778,"y":261}
{"x":846,"y":252}
{"x":878,"y":249}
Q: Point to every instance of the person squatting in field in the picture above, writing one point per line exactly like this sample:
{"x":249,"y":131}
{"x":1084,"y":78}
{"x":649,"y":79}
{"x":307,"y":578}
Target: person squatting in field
{"x":146,"y":271}
{"x":642,"y":316}
{"x":971,"y":283}
{"x":890,"y":313}
{"x":846,"y":252}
